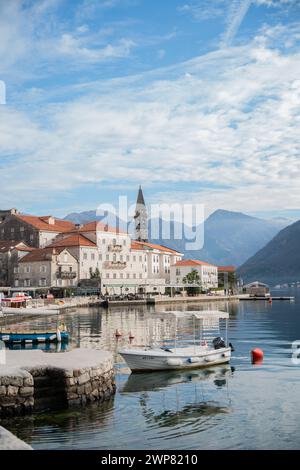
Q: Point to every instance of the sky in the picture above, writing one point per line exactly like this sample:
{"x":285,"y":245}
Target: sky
{"x":196,"y":100}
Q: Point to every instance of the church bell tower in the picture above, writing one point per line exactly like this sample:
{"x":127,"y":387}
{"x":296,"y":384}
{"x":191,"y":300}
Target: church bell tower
{"x":141,"y":218}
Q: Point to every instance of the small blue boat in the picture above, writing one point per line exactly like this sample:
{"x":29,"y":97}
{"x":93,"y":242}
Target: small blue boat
{"x":34,"y":337}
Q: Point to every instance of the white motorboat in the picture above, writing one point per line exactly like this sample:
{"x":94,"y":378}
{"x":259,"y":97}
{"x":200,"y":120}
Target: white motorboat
{"x":210,"y":351}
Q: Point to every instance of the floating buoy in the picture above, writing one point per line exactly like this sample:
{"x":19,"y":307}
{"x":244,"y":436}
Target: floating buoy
{"x":131,"y":335}
{"x":270,"y":300}
{"x":118,"y":333}
{"x":257,"y":356}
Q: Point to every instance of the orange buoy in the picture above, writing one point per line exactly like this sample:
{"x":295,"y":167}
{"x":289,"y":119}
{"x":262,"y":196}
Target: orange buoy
{"x":118,"y":333}
{"x":131,"y":335}
{"x":257,"y":356}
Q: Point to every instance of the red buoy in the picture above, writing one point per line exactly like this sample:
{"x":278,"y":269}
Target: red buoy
{"x":257,"y":356}
{"x":270,"y":300}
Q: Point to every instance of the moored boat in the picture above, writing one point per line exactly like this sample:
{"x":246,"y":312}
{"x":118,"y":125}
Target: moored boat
{"x":34,"y":337}
{"x":207,"y":353}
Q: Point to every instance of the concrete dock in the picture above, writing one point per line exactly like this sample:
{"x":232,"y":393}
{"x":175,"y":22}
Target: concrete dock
{"x":35,"y":380}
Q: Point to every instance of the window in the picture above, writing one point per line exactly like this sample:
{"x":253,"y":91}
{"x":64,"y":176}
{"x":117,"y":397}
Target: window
{"x":121,"y":275}
{"x":114,"y":257}
{"x":128,"y":276}
{"x":141,"y":276}
{"x":43,"y":268}
{"x":31,"y":236}
{"x":43,"y":282}
{"x":93,"y":256}
{"x":12,"y":230}
{"x":134,"y":258}
{"x":177,"y":272}
{"x":22,"y":229}
{"x":27,"y":283}
{"x":100,"y":257}
{"x":59,"y":282}
{"x":114,"y":242}
{"x":103,"y":241}
{"x":134,"y":276}
{"x":70,"y":269}
{"x":115,"y":276}
{"x":16,"y":269}
{"x":141,"y":258}
{"x":16,"y":282}
{"x":127,"y":258}
{"x":107,"y":275}
{"x":65,"y":257}
{"x":107,"y":257}
{"x":27,"y":269}
{"x":85,"y":256}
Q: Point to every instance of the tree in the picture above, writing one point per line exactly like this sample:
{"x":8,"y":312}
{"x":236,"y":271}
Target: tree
{"x":192,"y":278}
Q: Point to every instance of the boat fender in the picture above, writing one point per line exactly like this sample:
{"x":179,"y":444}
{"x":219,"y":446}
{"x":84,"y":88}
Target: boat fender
{"x":174,"y":362}
{"x":58,"y":335}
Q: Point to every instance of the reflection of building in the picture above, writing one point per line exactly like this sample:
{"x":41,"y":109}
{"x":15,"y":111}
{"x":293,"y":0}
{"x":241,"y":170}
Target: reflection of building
{"x":257,"y":289}
{"x":208,"y":273}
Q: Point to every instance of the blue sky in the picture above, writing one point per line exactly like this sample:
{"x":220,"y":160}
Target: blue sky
{"x":196,"y":100}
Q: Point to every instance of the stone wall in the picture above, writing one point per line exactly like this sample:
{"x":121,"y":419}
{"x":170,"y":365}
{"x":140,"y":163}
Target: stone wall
{"x":41,"y":385}
{"x":16,"y":393}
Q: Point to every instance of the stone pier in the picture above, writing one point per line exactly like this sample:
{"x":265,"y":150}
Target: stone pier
{"x":35,"y":380}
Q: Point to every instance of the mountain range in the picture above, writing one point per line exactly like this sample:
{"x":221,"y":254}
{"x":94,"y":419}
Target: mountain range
{"x":230,"y":238}
{"x":278,"y":262}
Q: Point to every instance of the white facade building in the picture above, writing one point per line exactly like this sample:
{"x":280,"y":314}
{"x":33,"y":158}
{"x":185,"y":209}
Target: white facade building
{"x":208,"y":273}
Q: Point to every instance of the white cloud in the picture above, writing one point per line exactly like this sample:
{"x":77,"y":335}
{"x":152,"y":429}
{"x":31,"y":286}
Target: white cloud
{"x":224,"y":126}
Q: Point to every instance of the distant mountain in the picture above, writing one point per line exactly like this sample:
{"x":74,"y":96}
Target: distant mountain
{"x":278,"y":262}
{"x":229,"y":237}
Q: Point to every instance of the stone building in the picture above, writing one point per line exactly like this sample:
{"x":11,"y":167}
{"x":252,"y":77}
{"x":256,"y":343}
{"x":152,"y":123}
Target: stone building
{"x":10,"y":255}
{"x":84,"y":250}
{"x":141,"y":218}
{"x":47,"y":267}
{"x":208,"y":273}
{"x":35,"y":231}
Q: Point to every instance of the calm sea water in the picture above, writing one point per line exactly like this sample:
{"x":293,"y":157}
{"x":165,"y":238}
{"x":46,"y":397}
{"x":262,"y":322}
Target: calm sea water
{"x":241,"y":406}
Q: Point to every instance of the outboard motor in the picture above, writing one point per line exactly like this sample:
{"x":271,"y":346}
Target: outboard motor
{"x":219,"y":343}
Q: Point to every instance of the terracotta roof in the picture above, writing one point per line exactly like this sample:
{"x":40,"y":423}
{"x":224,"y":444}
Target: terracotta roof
{"x":227,"y":269}
{"x":135,"y":245}
{"x":42,"y":223}
{"x":41,"y":254}
{"x":7,"y":245}
{"x":98,"y":226}
{"x":192,"y":262}
{"x":75,"y":239}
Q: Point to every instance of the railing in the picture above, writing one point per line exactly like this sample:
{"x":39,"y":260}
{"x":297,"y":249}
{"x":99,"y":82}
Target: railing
{"x":115,"y":265}
{"x":66,"y":275}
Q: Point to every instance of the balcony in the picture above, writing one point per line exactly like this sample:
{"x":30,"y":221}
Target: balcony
{"x":66,"y":274}
{"x":115,"y":248}
{"x":115,"y":265}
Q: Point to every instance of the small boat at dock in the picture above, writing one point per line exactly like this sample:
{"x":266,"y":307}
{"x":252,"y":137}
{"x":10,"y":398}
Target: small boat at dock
{"x":34,"y":337}
{"x":209,"y":352}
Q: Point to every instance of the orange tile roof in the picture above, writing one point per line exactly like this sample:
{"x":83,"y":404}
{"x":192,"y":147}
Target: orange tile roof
{"x":41,"y":254}
{"x":7,"y":245}
{"x":192,"y":262}
{"x":41,"y":223}
{"x":135,"y":245}
{"x":75,"y":239}
{"x":228,"y":269}
{"x":98,"y":226}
